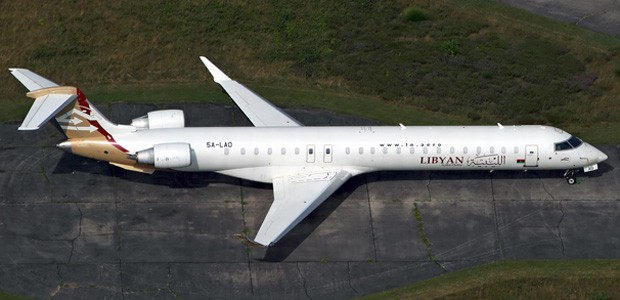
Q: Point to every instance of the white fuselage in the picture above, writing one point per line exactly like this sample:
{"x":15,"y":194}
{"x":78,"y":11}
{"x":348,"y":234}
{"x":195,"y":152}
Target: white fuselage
{"x":369,"y":148}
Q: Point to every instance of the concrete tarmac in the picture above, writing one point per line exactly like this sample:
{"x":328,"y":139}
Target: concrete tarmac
{"x":71,"y":227}
{"x":599,"y":15}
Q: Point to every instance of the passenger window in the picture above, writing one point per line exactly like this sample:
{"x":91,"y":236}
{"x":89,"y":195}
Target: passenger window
{"x":226,"y":151}
{"x":296,"y":150}
{"x":255,"y":151}
{"x":361,"y":150}
{"x":398,"y":150}
{"x":503,"y":150}
{"x":372,"y":150}
{"x":516,"y":149}
{"x":348,"y":150}
{"x":425,"y":150}
{"x":478,"y":150}
{"x":464,"y":150}
{"x":492,"y":150}
{"x":242,"y":151}
{"x":438,"y":150}
{"x":451,"y":150}
{"x":283,"y":150}
{"x":412,"y":150}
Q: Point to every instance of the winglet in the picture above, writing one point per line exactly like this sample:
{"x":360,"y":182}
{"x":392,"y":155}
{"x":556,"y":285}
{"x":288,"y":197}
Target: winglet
{"x":218,"y":75}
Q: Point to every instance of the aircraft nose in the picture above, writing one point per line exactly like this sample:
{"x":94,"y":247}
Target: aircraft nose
{"x":602,"y":157}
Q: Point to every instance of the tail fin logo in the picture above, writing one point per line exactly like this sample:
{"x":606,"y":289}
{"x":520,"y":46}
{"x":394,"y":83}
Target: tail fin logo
{"x":70,"y":120}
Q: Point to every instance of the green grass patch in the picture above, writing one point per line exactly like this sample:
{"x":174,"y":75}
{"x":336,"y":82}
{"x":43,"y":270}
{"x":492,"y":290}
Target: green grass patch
{"x":7,"y":296}
{"x":534,"y":279}
{"x":414,"y":14}
{"x":470,"y":61}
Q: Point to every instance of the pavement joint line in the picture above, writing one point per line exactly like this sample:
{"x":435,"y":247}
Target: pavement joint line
{"x":303,"y":281}
{"x":117,"y":231}
{"x":79,"y":232}
{"x":559,"y":234}
{"x":248,"y":250}
{"x":42,"y":165}
{"x":498,"y":233}
{"x":349,"y":278}
{"x":372,"y":226}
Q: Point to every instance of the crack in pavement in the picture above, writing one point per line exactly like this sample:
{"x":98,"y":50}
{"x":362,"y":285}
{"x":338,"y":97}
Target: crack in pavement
{"x":60,"y":283}
{"x":428,"y":186}
{"x":79,"y":233}
{"x":372,"y":226}
{"x":498,"y":234}
{"x":592,"y":14}
{"x":169,"y":284}
{"x":559,"y":234}
{"x":248,"y":250}
{"x":349,"y":277}
{"x":425,"y":240}
{"x":303,"y":281}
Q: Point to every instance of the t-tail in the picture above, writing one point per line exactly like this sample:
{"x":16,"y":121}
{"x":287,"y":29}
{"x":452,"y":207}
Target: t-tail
{"x":88,"y":132}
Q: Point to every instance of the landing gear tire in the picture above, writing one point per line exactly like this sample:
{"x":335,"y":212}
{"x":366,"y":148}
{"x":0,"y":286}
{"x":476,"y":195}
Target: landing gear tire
{"x":570,"y":177}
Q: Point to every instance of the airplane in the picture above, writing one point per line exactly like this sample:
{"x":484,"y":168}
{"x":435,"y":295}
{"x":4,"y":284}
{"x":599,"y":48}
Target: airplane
{"x":304,"y":164}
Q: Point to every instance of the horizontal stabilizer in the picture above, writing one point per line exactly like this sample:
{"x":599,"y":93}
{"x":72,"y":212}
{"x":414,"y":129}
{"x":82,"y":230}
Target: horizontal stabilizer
{"x":44,"y":108}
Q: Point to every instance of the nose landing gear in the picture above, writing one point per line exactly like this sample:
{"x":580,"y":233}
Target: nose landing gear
{"x":570,"y":176}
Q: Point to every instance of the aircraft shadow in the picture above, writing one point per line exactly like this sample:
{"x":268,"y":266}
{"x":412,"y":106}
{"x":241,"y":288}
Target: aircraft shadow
{"x":69,"y":163}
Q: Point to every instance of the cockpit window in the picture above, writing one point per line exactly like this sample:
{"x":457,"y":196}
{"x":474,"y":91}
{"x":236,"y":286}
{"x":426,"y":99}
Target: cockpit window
{"x":571,"y":143}
{"x":575,"y":142}
{"x":562,"y":146}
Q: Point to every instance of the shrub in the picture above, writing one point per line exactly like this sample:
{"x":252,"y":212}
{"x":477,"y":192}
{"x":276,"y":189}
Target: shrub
{"x":414,"y":14}
{"x":451,"y":47}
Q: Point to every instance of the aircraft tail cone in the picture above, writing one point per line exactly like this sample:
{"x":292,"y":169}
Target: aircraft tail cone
{"x":65,"y":145}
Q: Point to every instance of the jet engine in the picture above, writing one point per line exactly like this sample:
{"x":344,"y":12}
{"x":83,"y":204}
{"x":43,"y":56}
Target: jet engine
{"x":169,"y":155}
{"x":169,"y":118}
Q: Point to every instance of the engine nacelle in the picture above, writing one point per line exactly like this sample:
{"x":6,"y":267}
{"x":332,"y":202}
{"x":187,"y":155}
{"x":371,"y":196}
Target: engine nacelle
{"x":169,"y":118}
{"x":169,"y":155}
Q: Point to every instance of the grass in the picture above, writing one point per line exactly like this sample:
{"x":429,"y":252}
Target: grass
{"x":420,"y":62}
{"x":534,"y":279}
{"x":7,"y":296}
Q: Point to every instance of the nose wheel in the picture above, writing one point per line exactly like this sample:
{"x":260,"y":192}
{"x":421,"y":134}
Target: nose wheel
{"x":570,"y":177}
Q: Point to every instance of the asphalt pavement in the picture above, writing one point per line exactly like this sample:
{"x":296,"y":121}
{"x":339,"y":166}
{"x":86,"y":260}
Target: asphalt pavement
{"x":599,"y":15}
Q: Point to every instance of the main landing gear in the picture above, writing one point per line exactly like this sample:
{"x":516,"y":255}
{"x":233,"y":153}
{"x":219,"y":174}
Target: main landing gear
{"x":570,"y":176}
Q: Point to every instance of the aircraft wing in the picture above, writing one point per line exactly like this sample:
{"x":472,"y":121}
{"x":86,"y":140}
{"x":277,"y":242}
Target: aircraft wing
{"x":260,"y":111}
{"x":295,"y":197}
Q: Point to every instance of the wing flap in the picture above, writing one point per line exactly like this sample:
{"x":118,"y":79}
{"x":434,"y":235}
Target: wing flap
{"x":260,"y":111}
{"x":295,"y":197}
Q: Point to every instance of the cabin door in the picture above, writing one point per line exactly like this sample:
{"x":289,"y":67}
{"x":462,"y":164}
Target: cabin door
{"x":531,"y":156}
